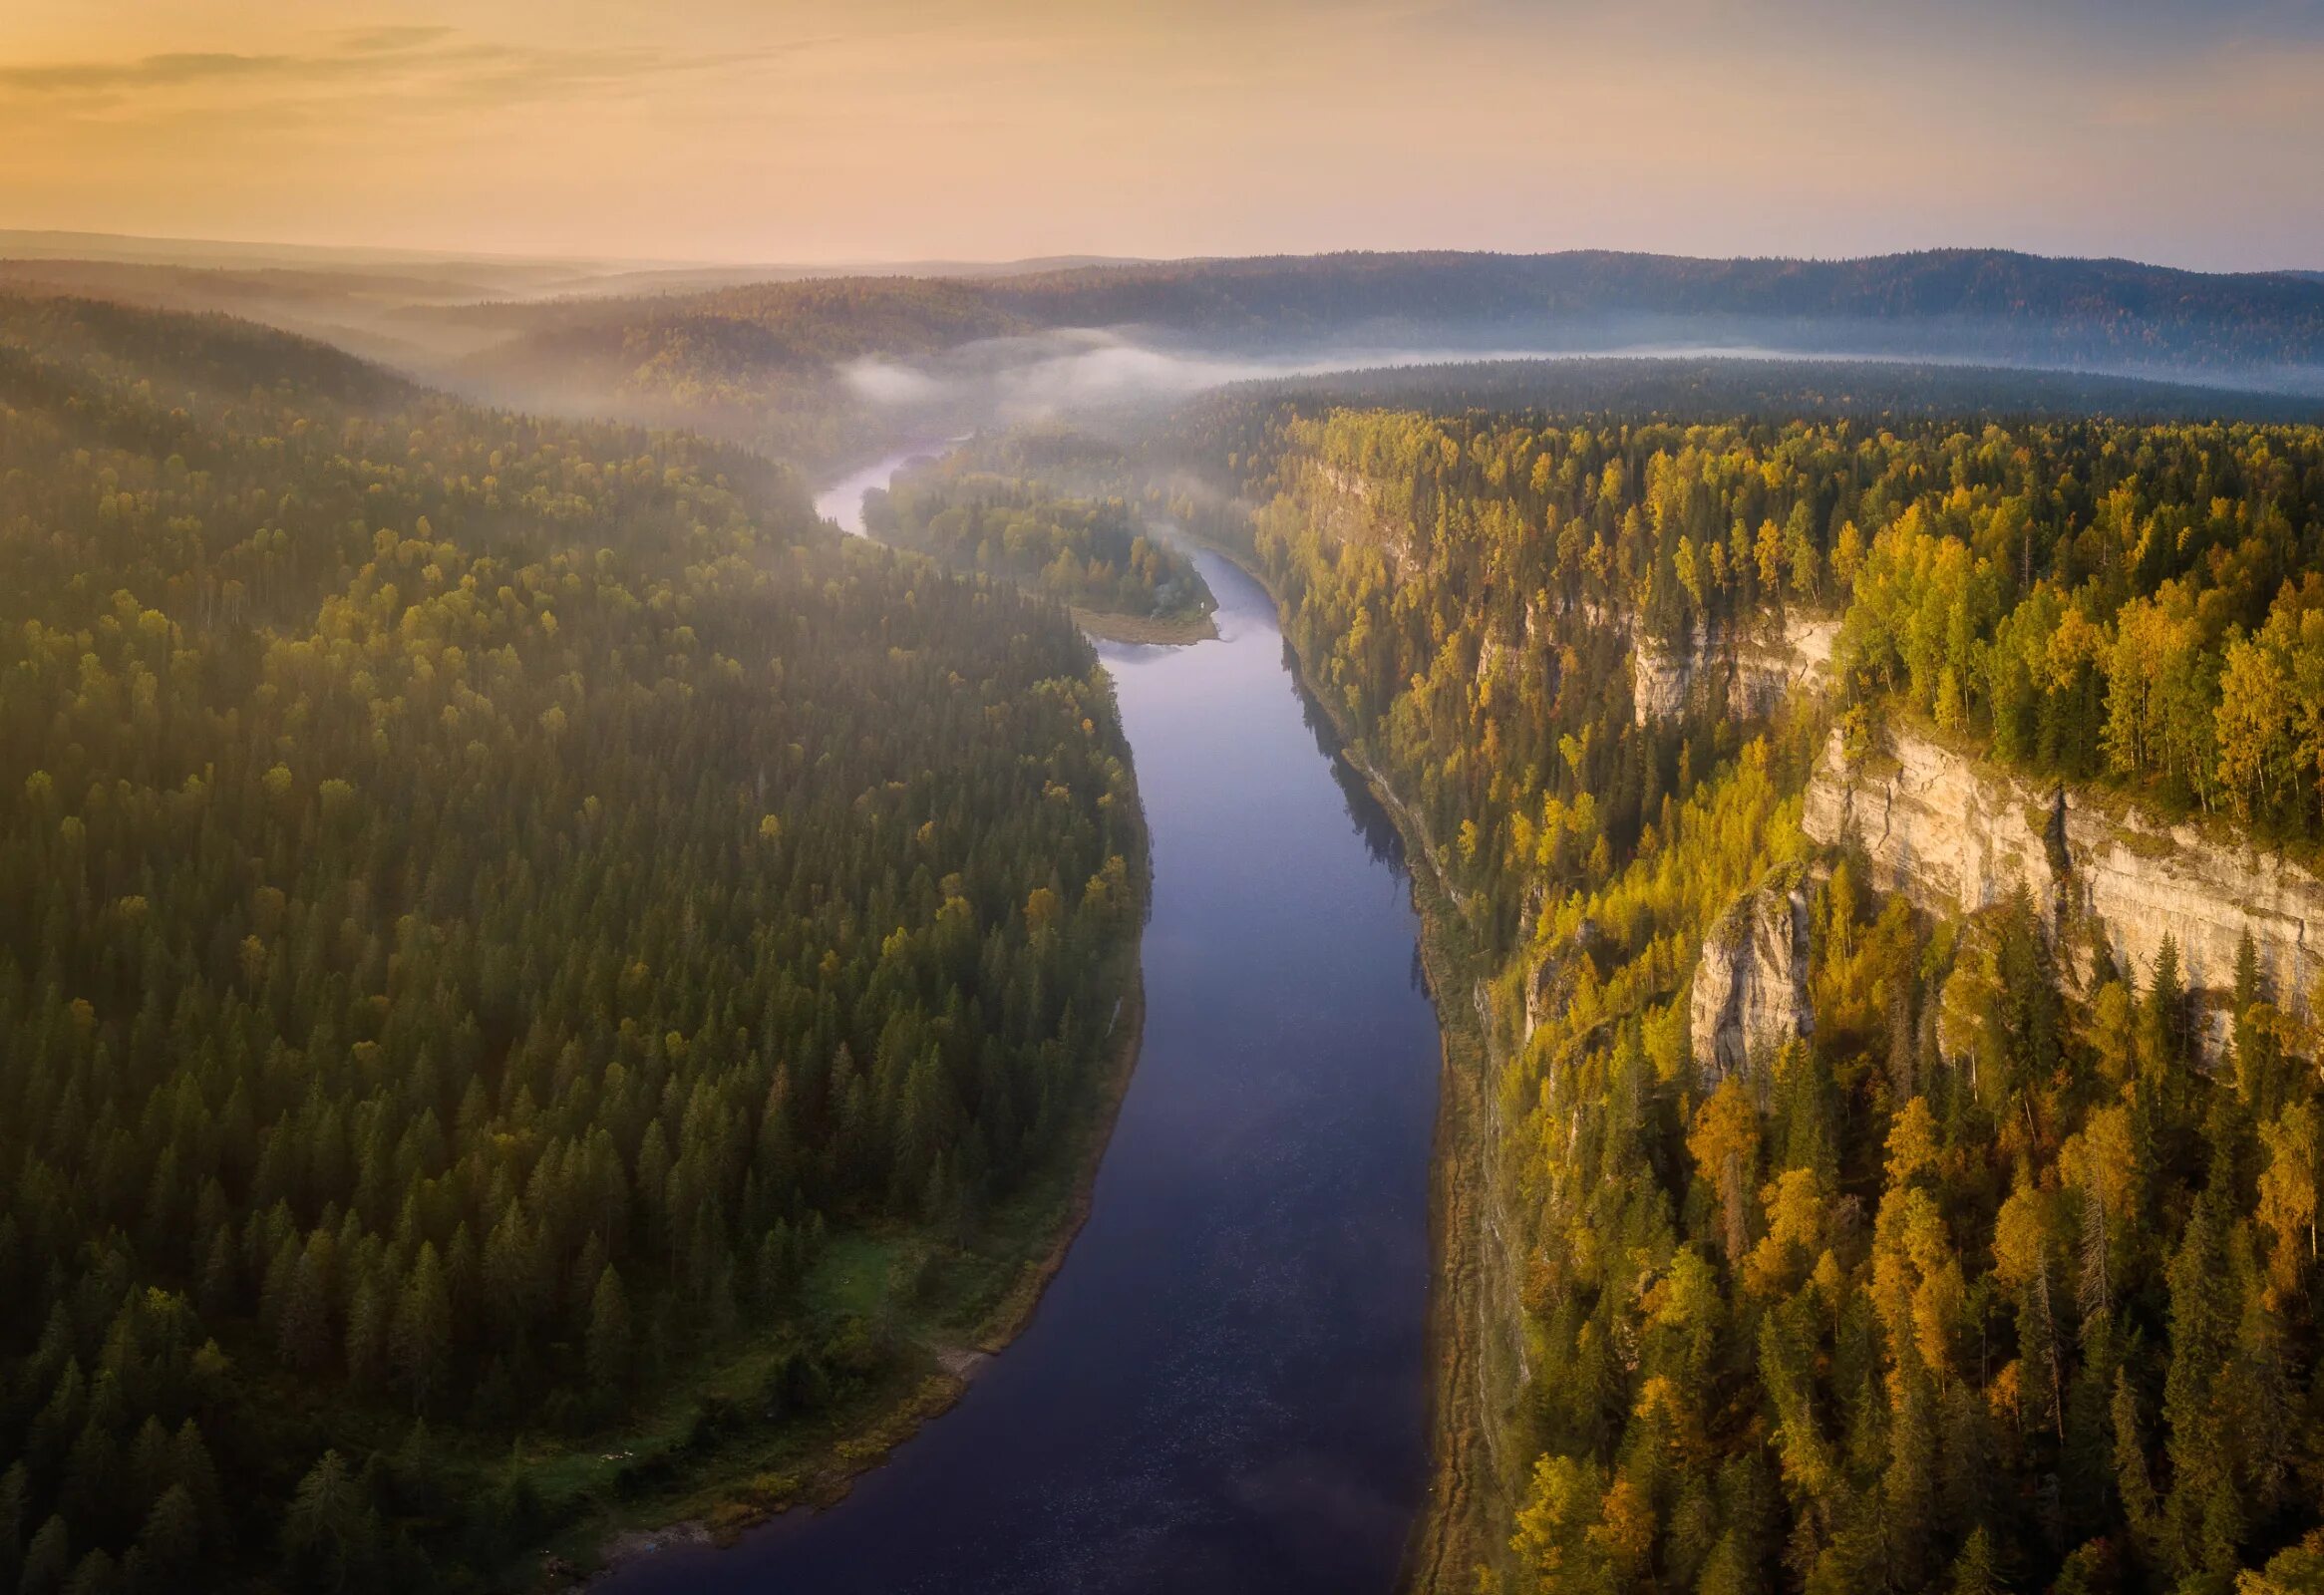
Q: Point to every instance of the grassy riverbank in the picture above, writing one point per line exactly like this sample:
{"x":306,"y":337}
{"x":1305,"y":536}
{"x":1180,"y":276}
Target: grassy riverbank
{"x":1166,"y":630}
{"x":704,"y":1464}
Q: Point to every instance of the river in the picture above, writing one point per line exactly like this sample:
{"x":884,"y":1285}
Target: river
{"x":1223,"y":1387}
{"x":842,"y":501}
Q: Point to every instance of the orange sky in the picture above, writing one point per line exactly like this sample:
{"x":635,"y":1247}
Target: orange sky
{"x":831,"y":129}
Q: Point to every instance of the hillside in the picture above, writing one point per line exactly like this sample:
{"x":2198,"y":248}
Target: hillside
{"x":769,"y":365}
{"x":537,"y":976}
{"x":1681,"y":389}
{"x":2103,"y":312}
{"x":1882,"y":1174}
{"x":821,"y":371}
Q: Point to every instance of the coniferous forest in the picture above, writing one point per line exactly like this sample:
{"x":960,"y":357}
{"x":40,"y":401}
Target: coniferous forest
{"x":1094,"y":553}
{"x":496,"y":907}
{"x":2000,"y":1272}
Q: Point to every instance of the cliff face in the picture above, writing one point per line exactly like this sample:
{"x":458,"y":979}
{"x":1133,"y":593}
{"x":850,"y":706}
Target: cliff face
{"x":1958,"y":835}
{"x":1349,"y":508}
{"x":1753,"y":669}
{"x":1750,"y":993}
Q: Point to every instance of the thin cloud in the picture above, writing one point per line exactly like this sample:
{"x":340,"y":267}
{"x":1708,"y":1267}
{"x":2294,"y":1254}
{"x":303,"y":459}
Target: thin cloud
{"x":388,"y":40}
{"x":146,"y":72}
{"x":424,"y":62}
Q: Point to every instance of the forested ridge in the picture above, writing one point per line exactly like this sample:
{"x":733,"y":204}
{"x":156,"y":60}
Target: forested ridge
{"x":492,"y":902}
{"x":768,"y":365}
{"x":2102,"y":311}
{"x":1996,"y":1279}
{"x":756,"y":365}
{"x":1683,"y":389}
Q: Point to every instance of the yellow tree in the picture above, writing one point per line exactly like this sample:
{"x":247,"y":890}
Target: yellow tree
{"x":1725,"y":1147}
{"x":2288,"y":1197}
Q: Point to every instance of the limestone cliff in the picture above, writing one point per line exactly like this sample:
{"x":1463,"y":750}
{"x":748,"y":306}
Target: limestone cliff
{"x":1958,"y":834}
{"x":1750,"y":993}
{"x":1751,"y":668}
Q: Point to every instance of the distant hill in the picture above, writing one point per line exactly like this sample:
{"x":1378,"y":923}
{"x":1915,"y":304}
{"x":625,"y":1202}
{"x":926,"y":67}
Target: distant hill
{"x":1999,"y":303}
{"x":1697,"y":389}
{"x":822,"y":369}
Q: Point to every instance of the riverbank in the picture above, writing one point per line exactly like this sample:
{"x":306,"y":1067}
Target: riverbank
{"x":713,"y":1492}
{"x":1454,"y":1537}
{"x":1468,"y":1490}
{"x":948,"y":1330}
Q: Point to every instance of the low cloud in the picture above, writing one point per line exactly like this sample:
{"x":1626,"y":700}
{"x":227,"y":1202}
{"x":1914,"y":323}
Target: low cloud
{"x":1028,"y":378}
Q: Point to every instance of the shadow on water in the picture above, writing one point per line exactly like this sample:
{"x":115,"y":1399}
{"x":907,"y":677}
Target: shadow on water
{"x":1381,"y":837}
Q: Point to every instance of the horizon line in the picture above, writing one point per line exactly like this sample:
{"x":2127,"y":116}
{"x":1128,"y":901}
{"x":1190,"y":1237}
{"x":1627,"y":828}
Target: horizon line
{"x":963,"y":265}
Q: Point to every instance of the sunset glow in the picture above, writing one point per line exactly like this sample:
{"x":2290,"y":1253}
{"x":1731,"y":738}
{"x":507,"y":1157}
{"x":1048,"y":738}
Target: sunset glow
{"x":822,"y":130}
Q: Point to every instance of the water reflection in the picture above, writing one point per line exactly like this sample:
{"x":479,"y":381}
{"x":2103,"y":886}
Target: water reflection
{"x":1223,"y":1389}
{"x":1381,"y":837}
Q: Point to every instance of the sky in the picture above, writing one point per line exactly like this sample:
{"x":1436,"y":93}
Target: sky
{"x":824,"y":131}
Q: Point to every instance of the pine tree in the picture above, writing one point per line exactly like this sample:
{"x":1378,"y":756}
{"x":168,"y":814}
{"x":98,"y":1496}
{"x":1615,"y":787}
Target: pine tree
{"x":330,"y":1536}
{"x":420,"y":1339}
{"x":48,"y":1561}
{"x":172,"y":1538}
{"x":609,"y":1332}
{"x":1974,"y":1571}
{"x":98,"y":1574}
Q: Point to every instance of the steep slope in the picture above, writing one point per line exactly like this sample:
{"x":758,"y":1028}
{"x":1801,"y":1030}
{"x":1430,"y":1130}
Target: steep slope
{"x":1958,"y":836}
{"x":1847,"y":1238}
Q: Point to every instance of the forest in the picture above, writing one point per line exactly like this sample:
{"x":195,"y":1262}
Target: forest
{"x":2000,"y":1277}
{"x":780,"y":366}
{"x":1682,"y":389}
{"x":1092,"y":554}
{"x":2009,"y":307}
{"x":496,"y":904}
{"x":540,"y":971}
{"x":756,"y":365}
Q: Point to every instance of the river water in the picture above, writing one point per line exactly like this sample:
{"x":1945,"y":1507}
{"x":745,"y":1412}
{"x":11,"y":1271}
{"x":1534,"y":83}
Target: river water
{"x":1223,"y":1389}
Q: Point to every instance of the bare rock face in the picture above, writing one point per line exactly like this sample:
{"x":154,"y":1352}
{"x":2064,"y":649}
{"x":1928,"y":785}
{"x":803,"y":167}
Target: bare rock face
{"x":1659,"y":677}
{"x":1750,"y":995}
{"x":1756,"y":668}
{"x":1348,"y":508}
{"x":1952,"y":835}
{"x":1957,"y":835}
{"x":1772,"y":665}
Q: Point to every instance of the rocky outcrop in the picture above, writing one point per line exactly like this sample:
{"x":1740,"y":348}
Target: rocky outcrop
{"x":1750,"y":995}
{"x":1661,"y":674}
{"x":1756,"y":668}
{"x":1958,"y":835}
{"x":1767,"y":667}
{"x":1347,"y":507}
{"x":1952,"y":834}
{"x":1549,"y":983}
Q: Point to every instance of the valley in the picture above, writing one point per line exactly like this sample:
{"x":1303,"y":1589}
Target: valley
{"x":1681,"y":971}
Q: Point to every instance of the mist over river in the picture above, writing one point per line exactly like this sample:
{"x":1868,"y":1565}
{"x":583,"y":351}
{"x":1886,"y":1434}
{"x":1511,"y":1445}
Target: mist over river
{"x":1223,"y":1387}
{"x":842,"y":501}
